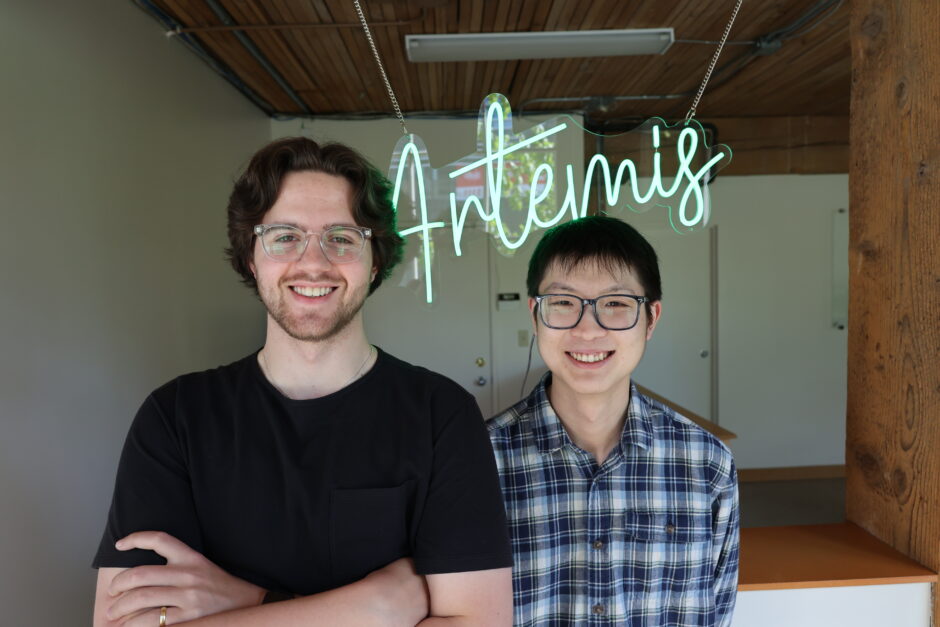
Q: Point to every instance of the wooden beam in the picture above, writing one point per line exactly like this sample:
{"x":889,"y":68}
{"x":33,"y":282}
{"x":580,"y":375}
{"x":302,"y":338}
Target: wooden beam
{"x":893,"y":413}
{"x":803,"y":144}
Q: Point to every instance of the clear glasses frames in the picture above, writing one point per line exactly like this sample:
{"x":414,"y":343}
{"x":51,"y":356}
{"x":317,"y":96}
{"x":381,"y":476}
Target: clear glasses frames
{"x":340,"y":244}
{"x":614,"y":312}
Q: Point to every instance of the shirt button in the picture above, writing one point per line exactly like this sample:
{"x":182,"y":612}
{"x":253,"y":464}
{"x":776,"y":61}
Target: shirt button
{"x":598,"y":609}
{"x":598,"y":544}
{"x":670,"y":528}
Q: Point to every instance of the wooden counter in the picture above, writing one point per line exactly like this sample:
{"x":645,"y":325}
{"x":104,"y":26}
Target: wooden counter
{"x":820,"y":556}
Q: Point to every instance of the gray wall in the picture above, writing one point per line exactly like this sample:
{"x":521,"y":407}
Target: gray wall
{"x":117,"y":152}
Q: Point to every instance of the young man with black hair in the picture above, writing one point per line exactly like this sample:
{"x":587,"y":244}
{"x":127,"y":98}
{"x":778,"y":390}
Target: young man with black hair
{"x":319,"y":467}
{"x":621,"y":512}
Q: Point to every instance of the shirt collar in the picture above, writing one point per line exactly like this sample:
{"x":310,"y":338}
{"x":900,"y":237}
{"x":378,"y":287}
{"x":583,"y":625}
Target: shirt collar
{"x":550,"y":434}
{"x":638,"y":427}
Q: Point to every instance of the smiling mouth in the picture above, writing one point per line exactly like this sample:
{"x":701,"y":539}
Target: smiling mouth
{"x":312,"y":292}
{"x":590,"y":358}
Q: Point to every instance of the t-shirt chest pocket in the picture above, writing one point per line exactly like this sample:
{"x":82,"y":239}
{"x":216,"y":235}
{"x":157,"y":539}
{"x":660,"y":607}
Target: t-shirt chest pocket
{"x":369,"y":528}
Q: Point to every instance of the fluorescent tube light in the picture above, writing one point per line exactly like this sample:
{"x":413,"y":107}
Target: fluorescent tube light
{"x":550,"y":45}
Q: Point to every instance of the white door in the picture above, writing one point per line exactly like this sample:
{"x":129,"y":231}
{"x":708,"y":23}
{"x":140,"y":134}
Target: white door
{"x":678,"y":360}
{"x":452,"y":335}
{"x":512,"y":327}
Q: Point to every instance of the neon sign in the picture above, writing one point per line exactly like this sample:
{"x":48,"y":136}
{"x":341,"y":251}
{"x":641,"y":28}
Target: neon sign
{"x":685,"y":198}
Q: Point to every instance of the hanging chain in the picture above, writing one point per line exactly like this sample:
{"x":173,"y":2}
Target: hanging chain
{"x":401,"y":119}
{"x":711,"y":66}
{"x":378,"y":61}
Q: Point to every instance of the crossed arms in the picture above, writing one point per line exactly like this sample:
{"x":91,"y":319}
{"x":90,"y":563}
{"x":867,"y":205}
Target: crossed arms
{"x":194,"y":589}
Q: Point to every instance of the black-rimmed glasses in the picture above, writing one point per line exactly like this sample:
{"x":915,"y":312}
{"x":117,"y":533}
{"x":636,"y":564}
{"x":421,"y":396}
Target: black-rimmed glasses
{"x":614,"y":312}
{"x":340,"y":244}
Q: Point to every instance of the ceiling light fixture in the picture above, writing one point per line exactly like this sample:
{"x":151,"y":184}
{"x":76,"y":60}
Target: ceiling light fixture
{"x":544,"y":45}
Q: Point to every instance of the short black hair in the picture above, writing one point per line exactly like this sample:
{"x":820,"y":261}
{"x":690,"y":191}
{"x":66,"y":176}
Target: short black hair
{"x":608,"y":242}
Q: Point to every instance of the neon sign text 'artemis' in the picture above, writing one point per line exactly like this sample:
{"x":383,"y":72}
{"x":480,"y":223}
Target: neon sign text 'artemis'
{"x":692,"y":210}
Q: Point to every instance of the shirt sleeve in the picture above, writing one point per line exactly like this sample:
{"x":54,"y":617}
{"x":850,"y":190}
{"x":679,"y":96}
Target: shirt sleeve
{"x":726,"y":537}
{"x":152,"y":491}
{"x":463,"y":527}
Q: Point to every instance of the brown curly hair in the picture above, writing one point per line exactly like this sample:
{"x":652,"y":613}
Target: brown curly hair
{"x":257,"y":189}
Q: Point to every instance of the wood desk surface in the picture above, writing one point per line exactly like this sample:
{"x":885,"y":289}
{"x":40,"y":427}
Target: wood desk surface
{"x":822,"y":556}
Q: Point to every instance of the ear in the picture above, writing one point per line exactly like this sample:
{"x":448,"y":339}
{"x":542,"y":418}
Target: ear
{"x":535,"y":323}
{"x":655,"y":312}
{"x":255,"y":247}
{"x":375,"y":272}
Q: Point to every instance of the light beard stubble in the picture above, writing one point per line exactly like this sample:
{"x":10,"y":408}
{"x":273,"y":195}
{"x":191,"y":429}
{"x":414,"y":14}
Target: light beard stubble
{"x":296,"y":328}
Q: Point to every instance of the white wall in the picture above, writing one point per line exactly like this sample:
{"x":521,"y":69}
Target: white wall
{"x":897,"y":605}
{"x":117,"y":153}
{"x":782,"y":366}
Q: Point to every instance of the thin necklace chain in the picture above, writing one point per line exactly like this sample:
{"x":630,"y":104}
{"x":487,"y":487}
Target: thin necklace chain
{"x":267,"y":370}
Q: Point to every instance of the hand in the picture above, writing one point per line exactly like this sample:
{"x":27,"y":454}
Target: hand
{"x":190,"y":586}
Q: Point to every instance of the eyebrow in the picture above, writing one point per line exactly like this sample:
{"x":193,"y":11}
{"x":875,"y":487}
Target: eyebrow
{"x":325,"y":226}
{"x":285,"y":223}
{"x":611,"y":289}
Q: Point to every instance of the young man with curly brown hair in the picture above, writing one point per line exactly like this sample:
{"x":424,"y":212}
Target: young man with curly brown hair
{"x":319,"y":471}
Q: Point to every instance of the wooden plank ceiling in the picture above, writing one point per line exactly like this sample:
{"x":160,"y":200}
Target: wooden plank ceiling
{"x":328,"y":64}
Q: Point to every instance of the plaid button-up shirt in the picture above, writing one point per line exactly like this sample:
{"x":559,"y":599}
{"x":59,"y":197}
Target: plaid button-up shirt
{"x":647,"y":539}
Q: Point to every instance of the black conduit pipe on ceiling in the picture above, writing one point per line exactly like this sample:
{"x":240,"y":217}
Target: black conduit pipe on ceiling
{"x":171,"y":26}
{"x":249,"y":45}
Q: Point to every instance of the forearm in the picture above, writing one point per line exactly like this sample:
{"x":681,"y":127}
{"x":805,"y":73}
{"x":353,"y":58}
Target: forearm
{"x":455,"y":621}
{"x":348,"y":605}
{"x":382,"y":598}
{"x":470,"y":599}
{"x":483,"y":620}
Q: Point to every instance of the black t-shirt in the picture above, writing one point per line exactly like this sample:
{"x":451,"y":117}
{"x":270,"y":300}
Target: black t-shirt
{"x":306,"y":496}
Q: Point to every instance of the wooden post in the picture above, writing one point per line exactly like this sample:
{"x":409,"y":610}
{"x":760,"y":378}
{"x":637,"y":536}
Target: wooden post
{"x":893,"y":413}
